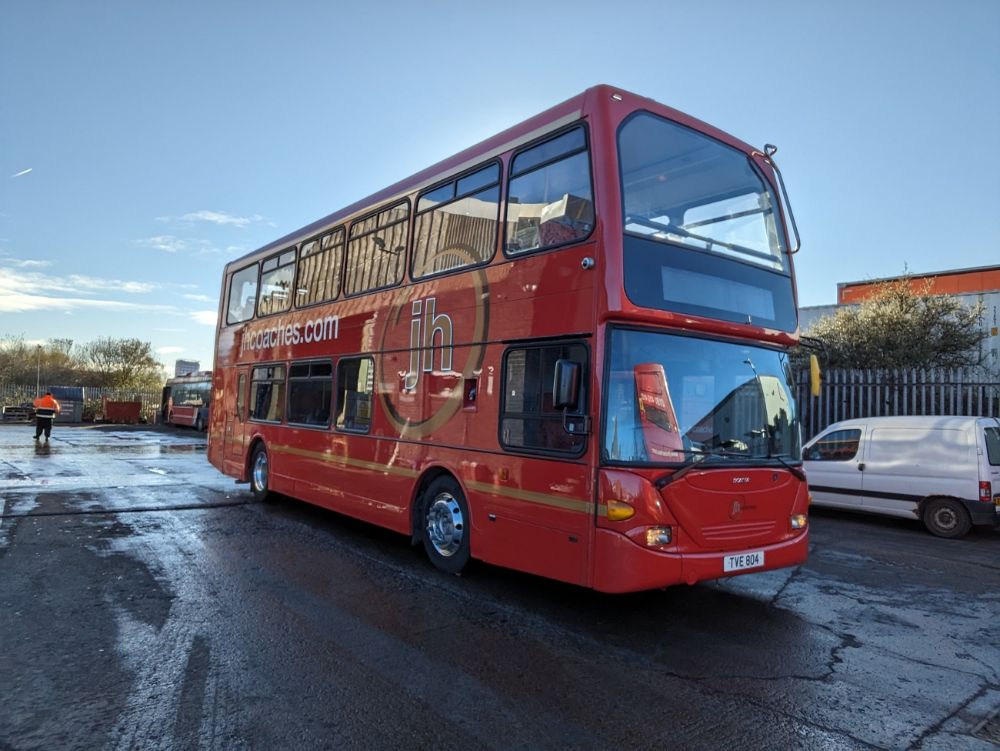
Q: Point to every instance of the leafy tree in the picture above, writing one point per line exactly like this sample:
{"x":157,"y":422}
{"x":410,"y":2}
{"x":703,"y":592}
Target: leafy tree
{"x":901,"y":326}
{"x":121,"y":363}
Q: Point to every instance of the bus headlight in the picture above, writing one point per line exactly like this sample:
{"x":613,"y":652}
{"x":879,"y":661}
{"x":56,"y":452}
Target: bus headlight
{"x":658,"y":536}
{"x":799,"y":521}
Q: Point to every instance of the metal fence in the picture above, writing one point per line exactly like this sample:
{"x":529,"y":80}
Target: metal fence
{"x":846,"y":394}
{"x":13,"y":395}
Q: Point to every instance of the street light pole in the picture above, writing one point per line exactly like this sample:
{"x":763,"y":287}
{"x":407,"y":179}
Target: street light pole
{"x":38,"y":369}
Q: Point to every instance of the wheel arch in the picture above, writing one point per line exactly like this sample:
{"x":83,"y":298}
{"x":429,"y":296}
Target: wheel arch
{"x":927,"y":500}
{"x":255,"y":441}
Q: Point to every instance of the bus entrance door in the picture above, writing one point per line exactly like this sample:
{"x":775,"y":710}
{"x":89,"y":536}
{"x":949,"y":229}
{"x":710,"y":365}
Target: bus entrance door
{"x":236,"y":416}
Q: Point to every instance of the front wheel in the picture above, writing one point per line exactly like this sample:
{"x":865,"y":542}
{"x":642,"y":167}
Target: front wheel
{"x":259,"y":473}
{"x":946,"y":517}
{"x":446,"y":525}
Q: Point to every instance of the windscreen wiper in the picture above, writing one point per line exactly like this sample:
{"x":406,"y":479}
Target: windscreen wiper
{"x":796,"y":471}
{"x":665,"y":480}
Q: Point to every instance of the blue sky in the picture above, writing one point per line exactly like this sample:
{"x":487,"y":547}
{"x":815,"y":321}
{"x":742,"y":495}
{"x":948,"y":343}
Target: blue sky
{"x":164,"y":139}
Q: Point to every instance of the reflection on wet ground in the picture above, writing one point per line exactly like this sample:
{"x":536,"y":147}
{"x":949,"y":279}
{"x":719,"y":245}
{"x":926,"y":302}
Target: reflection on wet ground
{"x":80,"y":457}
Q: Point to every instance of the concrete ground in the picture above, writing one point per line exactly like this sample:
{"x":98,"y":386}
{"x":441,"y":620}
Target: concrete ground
{"x":147,"y":602}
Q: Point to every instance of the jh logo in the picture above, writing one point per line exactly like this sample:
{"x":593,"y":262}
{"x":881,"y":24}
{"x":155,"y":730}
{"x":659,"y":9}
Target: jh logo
{"x":426,"y":325}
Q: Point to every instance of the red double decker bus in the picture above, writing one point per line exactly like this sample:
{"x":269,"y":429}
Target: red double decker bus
{"x":563,"y":350}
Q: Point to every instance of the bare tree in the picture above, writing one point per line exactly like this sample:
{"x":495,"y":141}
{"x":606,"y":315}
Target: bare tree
{"x":121,"y":363}
{"x":52,"y":362}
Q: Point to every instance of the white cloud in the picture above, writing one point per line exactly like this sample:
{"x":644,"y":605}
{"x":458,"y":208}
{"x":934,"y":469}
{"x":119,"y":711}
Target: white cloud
{"x":169,"y":350}
{"x":27,"y":291}
{"x":17,"y":302}
{"x":22,"y":172}
{"x":205,"y":317}
{"x":89,"y":283}
{"x":26,"y":263}
{"x":197,"y":298}
{"x":166,"y":243}
{"x":220,"y":218}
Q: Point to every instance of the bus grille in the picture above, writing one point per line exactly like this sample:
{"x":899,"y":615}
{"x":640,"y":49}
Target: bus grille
{"x":743,"y":531}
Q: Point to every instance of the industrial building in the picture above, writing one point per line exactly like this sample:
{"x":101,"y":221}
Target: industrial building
{"x":971,"y":286}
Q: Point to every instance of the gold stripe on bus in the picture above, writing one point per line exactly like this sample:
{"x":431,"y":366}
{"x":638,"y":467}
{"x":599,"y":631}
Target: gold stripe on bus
{"x":571,"y":504}
{"x":346,"y":460}
{"x":545,"y":499}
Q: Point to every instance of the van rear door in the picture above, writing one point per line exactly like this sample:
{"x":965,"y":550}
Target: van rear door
{"x":988,"y":430}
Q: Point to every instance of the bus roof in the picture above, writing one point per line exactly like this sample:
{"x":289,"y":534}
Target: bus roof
{"x":563,"y":113}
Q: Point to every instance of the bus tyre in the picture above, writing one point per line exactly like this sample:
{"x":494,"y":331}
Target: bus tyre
{"x":446,"y":525}
{"x":946,"y":517}
{"x":259,"y":473}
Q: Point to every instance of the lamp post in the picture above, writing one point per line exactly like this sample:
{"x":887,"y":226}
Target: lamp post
{"x":38,"y":369}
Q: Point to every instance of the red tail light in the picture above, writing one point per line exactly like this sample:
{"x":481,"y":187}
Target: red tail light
{"x":985,"y":491}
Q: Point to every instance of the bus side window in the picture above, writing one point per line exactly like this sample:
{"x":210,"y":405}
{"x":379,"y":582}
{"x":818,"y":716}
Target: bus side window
{"x":456,"y":224}
{"x":355,"y":389}
{"x":549,"y":198}
{"x":376,"y":250}
{"x":310,"y":386}
{"x":529,"y":419}
{"x":242,"y":295}
{"x":277,"y":275}
{"x":268,"y":393}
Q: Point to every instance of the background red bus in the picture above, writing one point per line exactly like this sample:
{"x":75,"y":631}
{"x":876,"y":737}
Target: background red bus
{"x":563,"y":350}
{"x":186,"y":400}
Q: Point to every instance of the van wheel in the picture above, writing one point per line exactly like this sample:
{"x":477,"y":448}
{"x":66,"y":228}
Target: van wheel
{"x":945,"y":517}
{"x":259,"y":473}
{"x":199,"y":424}
{"x":446,"y":525}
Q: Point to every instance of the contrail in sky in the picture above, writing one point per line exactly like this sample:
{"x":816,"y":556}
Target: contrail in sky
{"x":22,"y":172}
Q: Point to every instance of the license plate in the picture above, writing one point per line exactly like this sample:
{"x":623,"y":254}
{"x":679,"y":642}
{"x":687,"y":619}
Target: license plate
{"x":741,"y":561}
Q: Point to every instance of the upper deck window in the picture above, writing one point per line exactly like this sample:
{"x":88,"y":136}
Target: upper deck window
{"x":276,"y":277}
{"x":683,"y":187}
{"x":242,"y":295}
{"x":319,"y":269}
{"x":456,"y":223}
{"x":549,"y":198}
{"x":702,"y":232}
{"x":377,"y":249}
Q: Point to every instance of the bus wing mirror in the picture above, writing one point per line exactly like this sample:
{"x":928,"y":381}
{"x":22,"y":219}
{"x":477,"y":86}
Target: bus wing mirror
{"x":815,"y":377}
{"x":566,"y":385}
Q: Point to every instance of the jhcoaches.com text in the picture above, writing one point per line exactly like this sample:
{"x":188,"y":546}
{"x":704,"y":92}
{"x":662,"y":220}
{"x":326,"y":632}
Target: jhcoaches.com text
{"x":281,"y":333}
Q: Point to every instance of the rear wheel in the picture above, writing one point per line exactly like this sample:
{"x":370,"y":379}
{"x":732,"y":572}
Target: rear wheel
{"x":199,"y":424}
{"x":446,"y":525}
{"x":259,"y":473}
{"x":946,"y":517}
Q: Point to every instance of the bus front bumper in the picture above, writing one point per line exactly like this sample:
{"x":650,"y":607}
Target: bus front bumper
{"x":620,"y":565}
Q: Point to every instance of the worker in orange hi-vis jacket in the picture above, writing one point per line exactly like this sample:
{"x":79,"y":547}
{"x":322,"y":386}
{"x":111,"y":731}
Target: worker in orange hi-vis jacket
{"x":46,"y":409}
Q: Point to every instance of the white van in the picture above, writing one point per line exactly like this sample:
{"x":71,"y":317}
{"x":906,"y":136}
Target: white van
{"x":943,"y":470}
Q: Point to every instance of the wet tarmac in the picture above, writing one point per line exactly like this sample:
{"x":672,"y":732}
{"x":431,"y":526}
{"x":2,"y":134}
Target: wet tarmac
{"x":147,"y":602}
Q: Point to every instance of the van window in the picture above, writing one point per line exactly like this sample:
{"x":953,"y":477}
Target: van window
{"x":993,"y":446}
{"x":838,"y":446}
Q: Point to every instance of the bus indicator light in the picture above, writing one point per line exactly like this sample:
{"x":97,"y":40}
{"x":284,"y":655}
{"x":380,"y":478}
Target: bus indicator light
{"x":799,"y":521}
{"x":620,"y":511}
